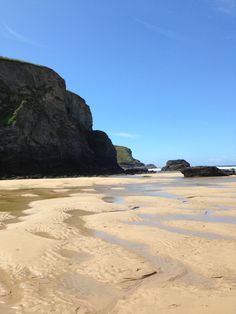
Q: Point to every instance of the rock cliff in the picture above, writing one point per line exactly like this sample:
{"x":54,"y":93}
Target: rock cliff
{"x":45,"y":129}
{"x":151,"y":166}
{"x":125,"y":158}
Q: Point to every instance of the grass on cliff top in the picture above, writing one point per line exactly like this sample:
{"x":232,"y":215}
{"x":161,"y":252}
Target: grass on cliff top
{"x":20,"y":61}
{"x":123,"y":154}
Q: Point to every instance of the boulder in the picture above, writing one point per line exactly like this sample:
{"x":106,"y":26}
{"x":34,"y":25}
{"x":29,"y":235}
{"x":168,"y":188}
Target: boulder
{"x":175,"y":165}
{"x":45,"y":129}
{"x":205,"y":171}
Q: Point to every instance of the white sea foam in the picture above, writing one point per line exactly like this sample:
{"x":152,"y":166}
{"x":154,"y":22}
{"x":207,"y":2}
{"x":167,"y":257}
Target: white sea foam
{"x":155,"y":169}
{"x":227,"y":167}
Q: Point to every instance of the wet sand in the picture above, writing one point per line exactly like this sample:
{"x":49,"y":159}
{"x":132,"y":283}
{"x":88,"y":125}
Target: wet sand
{"x":123,"y":244}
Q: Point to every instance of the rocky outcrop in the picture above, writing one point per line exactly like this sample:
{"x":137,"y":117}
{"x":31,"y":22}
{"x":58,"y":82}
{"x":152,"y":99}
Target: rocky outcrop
{"x":78,"y":111}
{"x":229,"y":172}
{"x":125,"y":158}
{"x":45,"y":129}
{"x":104,"y":151}
{"x":175,"y":165}
{"x":151,"y":166}
{"x":205,"y":171}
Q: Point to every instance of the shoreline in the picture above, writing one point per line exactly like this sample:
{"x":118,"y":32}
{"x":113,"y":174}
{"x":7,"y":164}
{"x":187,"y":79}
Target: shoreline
{"x":83,"y":244}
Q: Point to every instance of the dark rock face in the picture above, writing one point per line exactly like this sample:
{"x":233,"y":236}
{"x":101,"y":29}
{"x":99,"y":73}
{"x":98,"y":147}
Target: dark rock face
{"x":204,"y":171}
{"x":229,"y":172}
{"x":125,"y":158}
{"x":46,"y":130}
{"x":176,"y":165}
{"x":105,"y":152}
{"x":78,"y":111}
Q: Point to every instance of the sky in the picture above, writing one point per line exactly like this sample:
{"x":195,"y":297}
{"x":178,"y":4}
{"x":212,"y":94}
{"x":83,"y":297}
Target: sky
{"x":159,"y":76}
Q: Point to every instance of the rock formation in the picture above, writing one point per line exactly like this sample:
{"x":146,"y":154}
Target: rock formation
{"x":205,"y":171}
{"x":125,"y":158}
{"x":229,"y":172}
{"x":175,"y":165}
{"x":151,"y":166}
{"x":45,"y":129}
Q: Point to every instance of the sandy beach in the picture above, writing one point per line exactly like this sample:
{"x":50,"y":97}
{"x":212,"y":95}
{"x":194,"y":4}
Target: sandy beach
{"x":122,"y":244}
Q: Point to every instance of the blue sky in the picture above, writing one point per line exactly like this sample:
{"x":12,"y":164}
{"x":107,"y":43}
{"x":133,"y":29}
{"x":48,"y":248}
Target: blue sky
{"x":159,"y":76}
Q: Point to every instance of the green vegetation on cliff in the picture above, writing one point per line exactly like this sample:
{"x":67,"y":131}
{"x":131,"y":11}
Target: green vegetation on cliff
{"x":124,"y":155}
{"x":125,"y":158}
{"x":20,"y":61}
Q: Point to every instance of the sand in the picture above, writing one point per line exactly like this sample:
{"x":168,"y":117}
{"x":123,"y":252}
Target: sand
{"x":134,"y":244}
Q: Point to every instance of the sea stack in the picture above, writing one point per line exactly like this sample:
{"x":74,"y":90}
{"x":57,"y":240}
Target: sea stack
{"x":46,"y":130}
